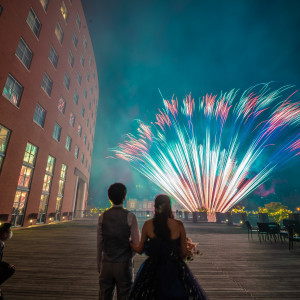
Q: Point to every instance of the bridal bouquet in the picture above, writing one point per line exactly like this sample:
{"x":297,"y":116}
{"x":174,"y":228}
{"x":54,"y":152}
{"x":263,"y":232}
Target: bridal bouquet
{"x":192,"y":249}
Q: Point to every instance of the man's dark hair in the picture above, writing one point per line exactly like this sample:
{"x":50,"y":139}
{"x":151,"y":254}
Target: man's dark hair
{"x":4,"y":228}
{"x":117,"y":192}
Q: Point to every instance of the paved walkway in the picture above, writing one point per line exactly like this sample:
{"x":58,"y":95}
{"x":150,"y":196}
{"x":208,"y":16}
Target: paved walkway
{"x":58,"y":262}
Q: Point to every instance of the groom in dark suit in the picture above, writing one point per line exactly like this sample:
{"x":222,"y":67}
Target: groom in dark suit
{"x":116,"y":227}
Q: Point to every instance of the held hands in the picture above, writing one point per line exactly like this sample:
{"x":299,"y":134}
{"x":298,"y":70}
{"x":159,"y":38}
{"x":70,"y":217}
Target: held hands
{"x":134,"y":247}
{"x":137,"y":248}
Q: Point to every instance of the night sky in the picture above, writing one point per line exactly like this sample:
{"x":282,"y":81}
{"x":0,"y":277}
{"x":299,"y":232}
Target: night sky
{"x":181,"y":47}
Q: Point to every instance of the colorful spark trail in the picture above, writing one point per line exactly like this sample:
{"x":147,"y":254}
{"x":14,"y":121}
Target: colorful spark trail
{"x":214,"y":152}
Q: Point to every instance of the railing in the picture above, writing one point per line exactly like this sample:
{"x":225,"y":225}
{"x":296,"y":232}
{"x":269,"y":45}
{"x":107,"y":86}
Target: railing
{"x":226,"y":218}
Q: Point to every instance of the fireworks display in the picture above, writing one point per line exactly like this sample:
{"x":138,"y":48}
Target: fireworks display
{"x":213,"y":152}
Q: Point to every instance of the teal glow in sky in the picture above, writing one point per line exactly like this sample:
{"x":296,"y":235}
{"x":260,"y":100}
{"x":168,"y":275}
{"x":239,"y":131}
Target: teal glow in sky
{"x":181,"y":47}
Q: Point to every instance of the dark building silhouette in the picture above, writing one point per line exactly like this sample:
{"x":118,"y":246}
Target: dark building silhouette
{"x":48,"y":109}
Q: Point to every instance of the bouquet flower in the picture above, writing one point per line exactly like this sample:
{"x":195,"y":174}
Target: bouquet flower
{"x":192,"y":249}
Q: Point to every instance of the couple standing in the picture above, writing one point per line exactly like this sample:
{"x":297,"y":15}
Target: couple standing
{"x":163,"y":275}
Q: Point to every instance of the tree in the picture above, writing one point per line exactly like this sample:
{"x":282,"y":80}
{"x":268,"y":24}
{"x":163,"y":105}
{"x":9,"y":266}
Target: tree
{"x":276,"y":210}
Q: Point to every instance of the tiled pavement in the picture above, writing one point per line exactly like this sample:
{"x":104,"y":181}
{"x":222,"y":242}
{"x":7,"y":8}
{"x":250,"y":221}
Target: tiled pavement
{"x":57,"y":261}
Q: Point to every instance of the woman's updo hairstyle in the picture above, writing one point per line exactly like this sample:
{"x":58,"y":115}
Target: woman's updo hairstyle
{"x":163,"y":211}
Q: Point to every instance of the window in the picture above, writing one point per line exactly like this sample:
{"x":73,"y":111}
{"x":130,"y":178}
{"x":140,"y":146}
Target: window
{"x":64,"y":11}
{"x":82,"y":158}
{"x":63,"y":172}
{"x":78,"y":22}
{"x":24,"y":182}
{"x":47,"y":183}
{"x":84,"y":139}
{"x":82,"y":111}
{"x":88,"y":147}
{"x":84,"y":43}
{"x":4,"y":136}
{"x":79,"y":130}
{"x":75,"y":97}
{"x":79,"y":78}
{"x":92,"y":91}
{"x":53,"y":57}
{"x":12,"y":90}
{"x":24,"y":53}
{"x":47,"y":84}
{"x":86,"y":162}
{"x":85,"y":93}
{"x":87,"y":76}
{"x":67,"y":81}
{"x":48,"y":175}
{"x":71,"y":59}
{"x":87,"y":122}
{"x":75,"y":39}
{"x":68,"y":143}
{"x":44,"y":4}
{"x":89,"y":105}
{"x":34,"y":23}
{"x":25,"y":176}
{"x":39,"y":115}
{"x":50,"y":164}
{"x":76,"y":153}
{"x":72,"y":119}
{"x":30,"y":155}
{"x":1,"y":9}
{"x":90,"y":60}
{"x":43,"y":207}
{"x":61,"y":187}
{"x":82,"y":60}
{"x":59,"y":33}
{"x":58,"y":206}
{"x":56,"y":132}
{"x":61,"y":105}
{"x":18,"y":209}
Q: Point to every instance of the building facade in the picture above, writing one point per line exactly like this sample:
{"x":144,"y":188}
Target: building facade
{"x":145,"y":207}
{"x":48,"y":109}
{"x":134,"y":204}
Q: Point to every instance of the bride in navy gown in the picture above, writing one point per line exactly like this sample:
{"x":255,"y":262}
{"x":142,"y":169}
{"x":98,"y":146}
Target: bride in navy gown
{"x":164,"y":275}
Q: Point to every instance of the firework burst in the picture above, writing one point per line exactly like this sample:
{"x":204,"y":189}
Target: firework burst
{"x":213,"y":152}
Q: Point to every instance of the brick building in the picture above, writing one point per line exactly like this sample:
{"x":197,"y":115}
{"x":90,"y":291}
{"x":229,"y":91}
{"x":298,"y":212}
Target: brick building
{"x":48,"y":109}
{"x":143,"y":205}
